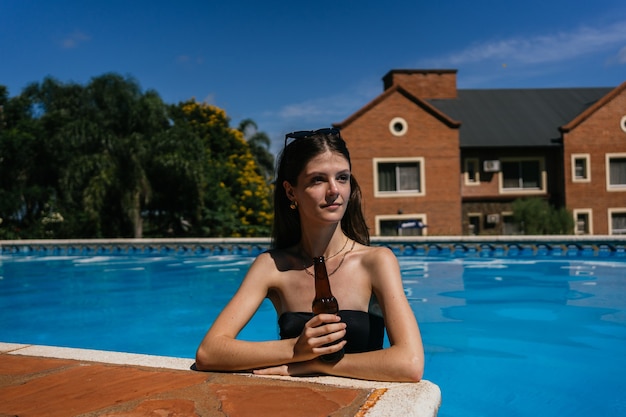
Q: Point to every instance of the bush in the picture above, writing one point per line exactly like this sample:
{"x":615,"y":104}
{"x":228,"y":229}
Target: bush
{"x":535,"y":216}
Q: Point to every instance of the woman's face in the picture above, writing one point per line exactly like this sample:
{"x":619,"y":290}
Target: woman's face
{"x":323,"y":188}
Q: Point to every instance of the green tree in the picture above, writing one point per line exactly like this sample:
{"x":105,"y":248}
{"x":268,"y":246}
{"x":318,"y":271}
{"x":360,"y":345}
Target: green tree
{"x":27,"y":175}
{"x":178,"y":174}
{"x":110,"y":160}
{"x":535,"y":216}
{"x":236,"y":198}
{"x":103,"y":133}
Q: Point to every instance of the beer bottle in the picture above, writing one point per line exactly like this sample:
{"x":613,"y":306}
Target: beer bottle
{"x":324,"y":301}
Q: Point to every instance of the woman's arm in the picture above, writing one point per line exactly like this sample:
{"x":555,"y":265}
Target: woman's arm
{"x":221,"y":351}
{"x":404,"y":359}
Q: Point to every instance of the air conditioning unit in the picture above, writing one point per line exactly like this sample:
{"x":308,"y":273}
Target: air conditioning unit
{"x":493,"y":218}
{"x":491,"y":165}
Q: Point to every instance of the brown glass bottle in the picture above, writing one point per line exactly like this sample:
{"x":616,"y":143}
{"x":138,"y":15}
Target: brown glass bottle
{"x":324,"y":302}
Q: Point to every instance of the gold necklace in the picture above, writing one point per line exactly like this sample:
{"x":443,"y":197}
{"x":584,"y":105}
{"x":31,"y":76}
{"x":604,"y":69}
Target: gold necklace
{"x":331,"y":256}
{"x":340,"y":262}
{"x":340,"y":250}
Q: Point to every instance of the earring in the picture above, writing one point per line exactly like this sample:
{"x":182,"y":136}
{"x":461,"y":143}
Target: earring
{"x":293,"y":205}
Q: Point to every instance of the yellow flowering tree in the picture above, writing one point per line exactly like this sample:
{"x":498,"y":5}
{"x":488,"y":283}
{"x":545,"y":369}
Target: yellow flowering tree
{"x":235,"y":198}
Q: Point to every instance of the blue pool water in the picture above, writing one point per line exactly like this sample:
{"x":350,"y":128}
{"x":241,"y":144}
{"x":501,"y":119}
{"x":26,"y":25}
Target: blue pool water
{"x":504,"y":335}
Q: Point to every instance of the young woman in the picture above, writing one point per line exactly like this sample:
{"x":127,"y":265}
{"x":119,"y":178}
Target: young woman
{"x":317,"y":211}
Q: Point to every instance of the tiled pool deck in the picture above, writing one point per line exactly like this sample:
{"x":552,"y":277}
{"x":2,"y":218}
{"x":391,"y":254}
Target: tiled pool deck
{"x":65,"y":382}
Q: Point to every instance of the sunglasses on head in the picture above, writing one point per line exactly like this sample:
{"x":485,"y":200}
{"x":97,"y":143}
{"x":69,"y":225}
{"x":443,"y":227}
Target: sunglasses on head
{"x":301,"y":134}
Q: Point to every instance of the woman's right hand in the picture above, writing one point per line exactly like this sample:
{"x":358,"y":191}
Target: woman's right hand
{"x":319,"y":336}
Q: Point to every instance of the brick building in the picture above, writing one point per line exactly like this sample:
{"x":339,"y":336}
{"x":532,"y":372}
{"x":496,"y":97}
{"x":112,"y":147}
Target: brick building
{"x":428,"y":154}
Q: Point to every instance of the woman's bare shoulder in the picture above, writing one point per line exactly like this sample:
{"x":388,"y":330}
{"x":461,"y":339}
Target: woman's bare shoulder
{"x":274,"y":261}
{"x":282,"y":258}
{"x":262,"y":266}
{"x":380,"y":263}
{"x":372,"y":255}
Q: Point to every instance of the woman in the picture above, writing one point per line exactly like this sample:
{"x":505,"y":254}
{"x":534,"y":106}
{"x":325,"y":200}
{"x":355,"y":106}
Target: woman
{"x":317,"y":211}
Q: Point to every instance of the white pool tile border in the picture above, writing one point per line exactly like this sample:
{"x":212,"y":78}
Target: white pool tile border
{"x":115,"y":358}
{"x":401,"y":399}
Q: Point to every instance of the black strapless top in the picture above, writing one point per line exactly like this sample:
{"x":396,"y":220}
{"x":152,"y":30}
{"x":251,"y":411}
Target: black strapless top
{"x":364,"y":331}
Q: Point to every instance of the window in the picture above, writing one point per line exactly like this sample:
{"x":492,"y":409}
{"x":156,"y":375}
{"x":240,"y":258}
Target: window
{"x":472,"y":171}
{"x":580,"y":168}
{"x":618,"y":221}
{"x":582,"y":219}
{"x":401,"y":225}
{"x":509,"y":226}
{"x":473,"y":220}
{"x":523,"y":175}
{"x":399,"y":177}
{"x":398,"y":126}
{"x":616,"y":175}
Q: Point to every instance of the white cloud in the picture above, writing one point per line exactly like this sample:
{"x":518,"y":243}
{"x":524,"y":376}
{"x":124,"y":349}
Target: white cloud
{"x":75,"y":39}
{"x":550,"y":48}
{"x":298,"y":110}
{"x":308,"y":114}
{"x":331,"y":108}
{"x":210,"y":99}
{"x":621,"y":56}
{"x":188,"y":60}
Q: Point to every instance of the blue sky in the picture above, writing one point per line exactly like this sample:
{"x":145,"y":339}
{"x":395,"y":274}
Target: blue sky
{"x":295,"y":65}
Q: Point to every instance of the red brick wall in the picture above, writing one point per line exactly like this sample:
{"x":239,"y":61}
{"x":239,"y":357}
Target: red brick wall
{"x":424,"y":84}
{"x":598,"y":135}
{"x":369,"y":137}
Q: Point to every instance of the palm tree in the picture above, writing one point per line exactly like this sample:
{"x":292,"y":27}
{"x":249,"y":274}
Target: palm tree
{"x":106,"y":130}
{"x":259,"y":144}
{"x":178,"y":174}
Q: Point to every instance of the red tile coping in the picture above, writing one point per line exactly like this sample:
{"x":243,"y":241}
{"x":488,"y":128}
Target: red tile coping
{"x":33,"y":386}
{"x":64,"y":382}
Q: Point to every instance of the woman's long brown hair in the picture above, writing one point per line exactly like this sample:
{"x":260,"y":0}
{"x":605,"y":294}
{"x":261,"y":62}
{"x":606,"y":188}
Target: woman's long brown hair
{"x":286,"y":231}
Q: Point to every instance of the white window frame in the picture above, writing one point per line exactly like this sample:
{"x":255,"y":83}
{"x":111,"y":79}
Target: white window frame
{"x":466,"y":177}
{"x":609,"y":186}
{"x":585,"y":157}
{"x":385,"y":194}
{"x":611,"y":212}
{"x":589,"y":213}
{"x":382,"y":217}
{"x":398,"y":121}
{"x":528,"y":191}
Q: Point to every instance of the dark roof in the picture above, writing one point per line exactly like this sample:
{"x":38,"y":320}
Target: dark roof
{"x":516,"y":117}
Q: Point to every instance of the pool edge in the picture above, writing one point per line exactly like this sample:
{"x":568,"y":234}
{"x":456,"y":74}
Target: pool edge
{"x":407,"y":399}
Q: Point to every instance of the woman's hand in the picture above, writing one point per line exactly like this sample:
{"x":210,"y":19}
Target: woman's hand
{"x":318,"y":333}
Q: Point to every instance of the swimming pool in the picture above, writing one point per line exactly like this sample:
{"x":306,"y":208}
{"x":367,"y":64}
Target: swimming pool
{"x":517,"y":329}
